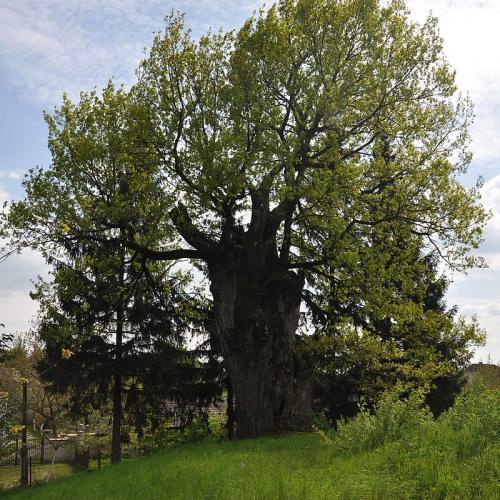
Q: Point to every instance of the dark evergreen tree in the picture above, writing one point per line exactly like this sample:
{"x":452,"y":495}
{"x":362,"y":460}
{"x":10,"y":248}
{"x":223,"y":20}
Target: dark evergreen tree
{"x":157,"y":373}
{"x":413,"y":340}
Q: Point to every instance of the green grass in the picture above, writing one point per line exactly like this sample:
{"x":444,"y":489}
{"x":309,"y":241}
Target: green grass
{"x":455,"y":457}
{"x":295,"y":466}
{"x":9,"y":476}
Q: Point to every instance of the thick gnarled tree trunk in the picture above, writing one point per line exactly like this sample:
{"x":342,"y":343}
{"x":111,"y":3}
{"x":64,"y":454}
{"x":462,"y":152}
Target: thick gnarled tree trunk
{"x":256,"y":313}
{"x":256,"y":309}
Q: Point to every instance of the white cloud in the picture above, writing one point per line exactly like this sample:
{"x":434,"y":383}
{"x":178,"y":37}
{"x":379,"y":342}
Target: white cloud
{"x":471,"y":41}
{"x":488,"y":315}
{"x":490,"y":248}
{"x":17,"y":310}
{"x":478,"y":292}
{"x":56,"y":46}
{"x":4,"y":196}
{"x":11,"y":174}
{"x":16,"y":281}
{"x":46,"y":48}
{"x":17,"y":273}
{"x":490,"y":193}
{"x":493,"y":261}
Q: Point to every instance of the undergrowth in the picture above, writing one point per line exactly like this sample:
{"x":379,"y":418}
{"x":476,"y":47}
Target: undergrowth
{"x":454,"y":456}
{"x":397,"y":452}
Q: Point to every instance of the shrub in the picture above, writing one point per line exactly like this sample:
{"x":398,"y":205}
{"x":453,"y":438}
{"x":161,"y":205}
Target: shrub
{"x":199,"y":430}
{"x":395,"y":417}
{"x":473,"y":422}
{"x":455,"y":456}
{"x":458,"y":455}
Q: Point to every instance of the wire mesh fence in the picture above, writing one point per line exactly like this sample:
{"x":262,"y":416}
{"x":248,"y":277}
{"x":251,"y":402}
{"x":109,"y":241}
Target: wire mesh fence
{"x":47,"y":458}
{"x":17,"y":467}
{"x":31,"y":454}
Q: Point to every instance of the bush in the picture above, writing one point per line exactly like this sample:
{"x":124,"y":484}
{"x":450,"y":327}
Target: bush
{"x":473,"y":422}
{"x":199,"y":430}
{"x":458,"y":455}
{"x":395,"y":417}
{"x":455,"y":456}
{"x":478,"y":410}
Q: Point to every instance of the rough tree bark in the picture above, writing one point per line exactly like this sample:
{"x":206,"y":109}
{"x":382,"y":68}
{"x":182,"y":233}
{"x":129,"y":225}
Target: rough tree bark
{"x":230,"y":411}
{"x":256,"y":313}
{"x":256,"y":308}
{"x":116,"y":450}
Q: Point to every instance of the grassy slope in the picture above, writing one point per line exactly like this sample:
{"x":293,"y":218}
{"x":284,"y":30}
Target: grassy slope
{"x":296,"y":466}
{"x":299,"y":466}
{"x":399,"y":452}
{"x":9,"y":476}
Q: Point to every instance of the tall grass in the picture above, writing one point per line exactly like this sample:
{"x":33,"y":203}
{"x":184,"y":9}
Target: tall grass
{"x":454,"y":456}
{"x":395,"y":418}
{"x":398,"y":452}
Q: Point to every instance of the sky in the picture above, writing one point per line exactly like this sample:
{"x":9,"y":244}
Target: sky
{"x":56,"y":46}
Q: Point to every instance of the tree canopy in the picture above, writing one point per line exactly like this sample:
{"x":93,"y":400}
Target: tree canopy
{"x":282,"y":159}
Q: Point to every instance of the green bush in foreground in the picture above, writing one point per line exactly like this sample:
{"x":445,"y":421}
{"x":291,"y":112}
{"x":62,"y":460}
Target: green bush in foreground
{"x":399,"y":452}
{"x":394,"y":419}
{"x":454,"y":456}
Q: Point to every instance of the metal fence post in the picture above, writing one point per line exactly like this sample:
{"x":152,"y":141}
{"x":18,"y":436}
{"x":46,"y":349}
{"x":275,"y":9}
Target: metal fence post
{"x":42,"y":448}
{"x":24,"y":445}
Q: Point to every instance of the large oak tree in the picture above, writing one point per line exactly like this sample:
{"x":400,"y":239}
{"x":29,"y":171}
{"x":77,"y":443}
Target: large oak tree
{"x":269,"y":158}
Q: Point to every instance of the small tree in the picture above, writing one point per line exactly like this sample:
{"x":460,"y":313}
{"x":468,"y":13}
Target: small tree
{"x":5,"y":340}
{"x":78,"y":313}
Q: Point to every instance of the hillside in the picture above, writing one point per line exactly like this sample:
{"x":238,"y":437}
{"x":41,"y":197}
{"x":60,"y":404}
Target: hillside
{"x":400,"y":453}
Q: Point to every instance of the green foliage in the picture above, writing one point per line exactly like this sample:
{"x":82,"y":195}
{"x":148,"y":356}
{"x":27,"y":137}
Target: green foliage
{"x":473,"y":421}
{"x":428,"y":452}
{"x":394,"y":418}
{"x":197,"y":431}
{"x":78,"y":312}
{"x":432,"y":459}
{"x":322,"y":143}
{"x":465,"y":438}
{"x":344,"y":115}
{"x":414,"y":340}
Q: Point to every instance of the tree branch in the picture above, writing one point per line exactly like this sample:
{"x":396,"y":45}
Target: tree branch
{"x":180,"y":253}
{"x":193,"y":236}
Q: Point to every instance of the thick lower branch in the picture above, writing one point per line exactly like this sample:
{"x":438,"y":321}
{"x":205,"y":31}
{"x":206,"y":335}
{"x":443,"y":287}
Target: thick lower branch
{"x":180,"y":253}
{"x":193,"y":236}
